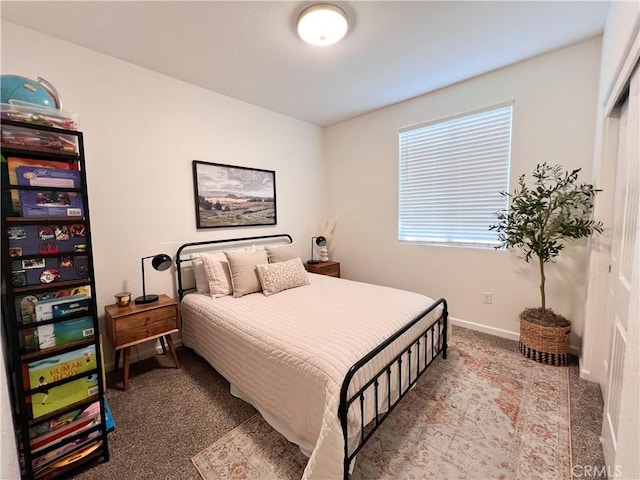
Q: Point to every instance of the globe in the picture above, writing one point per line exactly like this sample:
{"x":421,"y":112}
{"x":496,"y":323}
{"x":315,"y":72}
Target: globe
{"x":15,"y":89}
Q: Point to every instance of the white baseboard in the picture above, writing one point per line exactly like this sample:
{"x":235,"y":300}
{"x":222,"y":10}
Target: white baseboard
{"x":498,"y":332}
{"x":478,"y":327}
{"x":144,"y":350}
{"x":585,"y":374}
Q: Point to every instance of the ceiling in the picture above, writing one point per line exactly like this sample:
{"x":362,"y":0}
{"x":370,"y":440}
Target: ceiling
{"x":249,"y":50}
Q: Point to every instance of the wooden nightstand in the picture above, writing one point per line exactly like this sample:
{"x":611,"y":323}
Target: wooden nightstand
{"x":331,"y":269}
{"x":134,"y":324}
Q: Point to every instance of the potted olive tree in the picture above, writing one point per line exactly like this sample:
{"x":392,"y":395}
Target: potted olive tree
{"x":540,"y":219}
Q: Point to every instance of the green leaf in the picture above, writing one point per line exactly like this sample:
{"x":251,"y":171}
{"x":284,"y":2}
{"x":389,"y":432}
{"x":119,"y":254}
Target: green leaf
{"x":540,"y":220}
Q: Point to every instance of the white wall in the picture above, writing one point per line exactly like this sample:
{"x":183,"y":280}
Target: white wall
{"x":142,"y":130}
{"x":8,"y":454}
{"x":554,"y":121}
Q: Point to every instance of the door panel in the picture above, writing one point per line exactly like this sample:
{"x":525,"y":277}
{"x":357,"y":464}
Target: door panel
{"x":623,"y":262}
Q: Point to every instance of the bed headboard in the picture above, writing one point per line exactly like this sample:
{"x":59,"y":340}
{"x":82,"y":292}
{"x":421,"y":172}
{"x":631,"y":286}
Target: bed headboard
{"x":183,"y":255}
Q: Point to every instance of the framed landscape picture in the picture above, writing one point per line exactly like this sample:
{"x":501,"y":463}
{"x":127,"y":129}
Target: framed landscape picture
{"x":231,"y":196}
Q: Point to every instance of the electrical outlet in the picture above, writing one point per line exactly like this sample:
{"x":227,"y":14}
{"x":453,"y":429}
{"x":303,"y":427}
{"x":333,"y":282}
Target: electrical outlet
{"x":487,"y":297}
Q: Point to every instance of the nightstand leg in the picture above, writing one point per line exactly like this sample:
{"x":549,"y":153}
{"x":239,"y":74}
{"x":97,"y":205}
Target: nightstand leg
{"x":125,"y":367}
{"x":164,"y":349}
{"x":173,"y":350}
{"x":117,"y":364}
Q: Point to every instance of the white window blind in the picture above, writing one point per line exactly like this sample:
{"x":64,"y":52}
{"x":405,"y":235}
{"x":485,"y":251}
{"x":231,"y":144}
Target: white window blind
{"x":451,"y":173}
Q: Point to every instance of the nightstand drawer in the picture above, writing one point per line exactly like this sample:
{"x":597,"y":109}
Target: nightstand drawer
{"x":332,"y":270}
{"x":142,"y":319}
{"x":137,"y":323}
{"x":145,"y":331}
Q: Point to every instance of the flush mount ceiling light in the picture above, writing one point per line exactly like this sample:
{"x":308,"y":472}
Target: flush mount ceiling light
{"x":322,"y":24}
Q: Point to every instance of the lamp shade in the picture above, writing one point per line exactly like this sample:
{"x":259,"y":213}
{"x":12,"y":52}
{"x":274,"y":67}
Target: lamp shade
{"x":159,"y":262}
{"x":322,"y":24}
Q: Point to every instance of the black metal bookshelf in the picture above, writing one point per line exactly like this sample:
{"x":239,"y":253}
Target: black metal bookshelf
{"x":71,"y":430}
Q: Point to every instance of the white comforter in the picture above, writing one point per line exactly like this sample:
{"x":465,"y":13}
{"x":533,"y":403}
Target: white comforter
{"x":288,"y":353}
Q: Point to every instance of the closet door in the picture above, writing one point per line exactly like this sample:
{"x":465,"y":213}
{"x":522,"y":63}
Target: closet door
{"x":622,"y":393}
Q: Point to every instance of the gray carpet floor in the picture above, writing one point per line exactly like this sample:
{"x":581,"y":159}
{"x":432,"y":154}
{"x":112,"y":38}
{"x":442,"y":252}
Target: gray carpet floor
{"x":168,"y":415}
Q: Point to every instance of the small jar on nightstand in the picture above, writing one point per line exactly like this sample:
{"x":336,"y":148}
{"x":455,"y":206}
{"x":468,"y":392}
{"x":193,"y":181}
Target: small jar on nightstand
{"x":331,"y":269}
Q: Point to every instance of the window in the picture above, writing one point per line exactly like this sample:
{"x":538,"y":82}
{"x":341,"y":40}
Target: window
{"x":451,"y":173}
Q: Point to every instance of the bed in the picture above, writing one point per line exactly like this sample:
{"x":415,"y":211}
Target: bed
{"x":324,"y":363}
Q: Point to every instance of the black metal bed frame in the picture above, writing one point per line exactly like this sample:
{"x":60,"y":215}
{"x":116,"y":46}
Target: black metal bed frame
{"x":434,"y":336}
{"x":183,"y":291}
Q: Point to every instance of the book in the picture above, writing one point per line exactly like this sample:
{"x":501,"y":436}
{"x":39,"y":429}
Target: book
{"x":48,"y":177}
{"x":44,"y":428}
{"x":62,"y":307}
{"x":48,"y":459}
{"x":73,"y":307}
{"x":36,"y":271}
{"x":51,"y":203}
{"x":29,"y":339}
{"x":59,"y":397}
{"x":63,"y":332}
{"x":86,"y":419}
{"x":14,"y":162}
{"x":26,"y":304}
{"x":109,"y":421}
{"x":73,"y":428}
{"x":59,"y":367}
{"x":78,"y":454}
{"x":40,"y":307}
{"x":46,"y":239}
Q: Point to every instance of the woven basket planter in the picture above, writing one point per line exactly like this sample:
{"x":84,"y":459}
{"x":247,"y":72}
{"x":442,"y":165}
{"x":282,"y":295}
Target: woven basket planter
{"x":545,"y":344}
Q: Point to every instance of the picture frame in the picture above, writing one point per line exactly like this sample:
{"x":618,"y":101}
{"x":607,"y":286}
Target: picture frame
{"x":233,"y":196}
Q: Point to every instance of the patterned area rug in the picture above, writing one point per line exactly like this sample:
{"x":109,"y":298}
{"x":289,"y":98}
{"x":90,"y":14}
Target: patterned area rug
{"x":484,"y":413}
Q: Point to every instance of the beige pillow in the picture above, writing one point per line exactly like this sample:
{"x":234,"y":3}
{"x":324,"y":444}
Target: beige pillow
{"x":276,"y":277}
{"x":218,"y":276}
{"x":242,"y":266}
{"x":199,"y":274}
{"x":282,"y":253}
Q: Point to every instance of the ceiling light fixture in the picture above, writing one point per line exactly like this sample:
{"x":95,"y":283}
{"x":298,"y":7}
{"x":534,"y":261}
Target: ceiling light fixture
{"x":322,"y":24}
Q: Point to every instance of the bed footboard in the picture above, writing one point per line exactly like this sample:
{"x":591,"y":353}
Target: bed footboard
{"x":415,"y":358}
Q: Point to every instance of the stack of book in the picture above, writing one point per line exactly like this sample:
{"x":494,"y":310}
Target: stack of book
{"x":49,"y":203}
{"x":65,"y":426}
{"x":64,"y":331}
{"x":70,"y":325}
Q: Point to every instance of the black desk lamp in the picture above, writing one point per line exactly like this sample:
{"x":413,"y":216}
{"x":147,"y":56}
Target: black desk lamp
{"x":319,"y":241}
{"x":160,"y":262}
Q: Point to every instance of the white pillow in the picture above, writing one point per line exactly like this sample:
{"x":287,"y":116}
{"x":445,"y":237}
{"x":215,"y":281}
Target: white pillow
{"x":218,"y":276}
{"x":276,"y":277}
{"x":202,"y":284}
{"x":242,"y":266}
{"x":282,"y":253}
